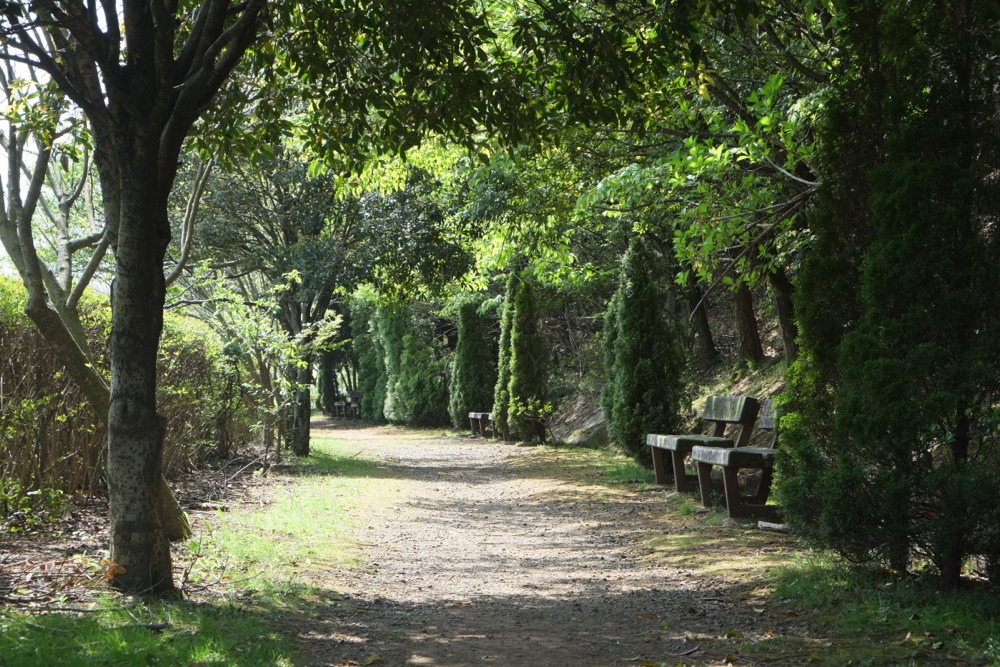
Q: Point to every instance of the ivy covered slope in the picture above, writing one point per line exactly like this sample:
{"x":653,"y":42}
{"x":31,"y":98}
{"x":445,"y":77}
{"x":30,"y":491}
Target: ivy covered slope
{"x":50,"y":437}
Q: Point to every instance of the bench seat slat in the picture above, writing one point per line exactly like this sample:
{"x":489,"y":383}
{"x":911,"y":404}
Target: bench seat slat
{"x":684,"y":443}
{"x":743,"y":457}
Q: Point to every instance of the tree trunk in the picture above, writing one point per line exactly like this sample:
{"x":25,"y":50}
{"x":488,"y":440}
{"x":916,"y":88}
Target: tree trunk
{"x":782,"y":289}
{"x":301,"y":413}
{"x":704,"y":342}
{"x":62,"y":330}
{"x":139,"y":546}
{"x":751,"y":350}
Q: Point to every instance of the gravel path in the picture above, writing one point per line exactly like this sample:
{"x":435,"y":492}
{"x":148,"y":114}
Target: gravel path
{"x":488,"y":558}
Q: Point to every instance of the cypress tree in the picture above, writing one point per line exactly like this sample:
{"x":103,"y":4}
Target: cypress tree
{"x":501,"y":392}
{"x":392,"y":326}
{"x":528,"y":366}
{"x":422,"y":384}
{"x":644,"y":353}
{"x":890,"y":445}
{"x":371,"y":360}
{"x":473,"y":375}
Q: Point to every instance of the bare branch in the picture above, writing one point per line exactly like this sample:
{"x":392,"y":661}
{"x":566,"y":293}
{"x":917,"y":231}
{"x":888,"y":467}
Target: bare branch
{"x":190,"y":217}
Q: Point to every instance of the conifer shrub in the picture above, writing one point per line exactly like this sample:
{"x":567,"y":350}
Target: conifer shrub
{"x":473,"y":373}
{"x":371,"y":360}
{"x":645,"y":356}
{"x":890,"y":448}
{"x":415,"y":376}
{"x":501,"y":392}
{"x":528,"y":409}
{"x":391,"y":325}
{"x":422,"y":382}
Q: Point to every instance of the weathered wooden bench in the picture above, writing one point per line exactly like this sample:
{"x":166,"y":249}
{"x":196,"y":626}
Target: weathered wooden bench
{"x":721,"y":412}
{"x":481,"y":423}
{"x":732,"y":460}
{"x":340,"y":409}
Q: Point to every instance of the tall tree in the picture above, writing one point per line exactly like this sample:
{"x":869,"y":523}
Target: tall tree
{"x":894,"y":402}
{"x":529,"y":356}
{"x":142,"y":73}
{"x":501,"y":392}
{"x":270,"y":216}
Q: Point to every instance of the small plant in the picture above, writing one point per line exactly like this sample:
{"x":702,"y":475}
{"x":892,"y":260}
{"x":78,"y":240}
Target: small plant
{"x":28,"y":510}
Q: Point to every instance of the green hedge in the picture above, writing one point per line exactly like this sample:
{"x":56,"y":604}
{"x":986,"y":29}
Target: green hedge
{"x":49,"y":436}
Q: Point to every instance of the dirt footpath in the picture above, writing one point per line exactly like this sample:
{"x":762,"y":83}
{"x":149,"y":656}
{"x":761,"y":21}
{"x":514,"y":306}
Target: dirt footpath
{"x":495,"y":554}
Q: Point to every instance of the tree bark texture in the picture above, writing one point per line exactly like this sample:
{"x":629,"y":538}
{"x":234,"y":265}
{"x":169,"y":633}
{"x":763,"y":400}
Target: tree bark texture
{"x":782,"y":289}
{"x":704,"y":342}
{"x":750,"y":348}
{"x":301,"y":412}
{"x":139,"y":547}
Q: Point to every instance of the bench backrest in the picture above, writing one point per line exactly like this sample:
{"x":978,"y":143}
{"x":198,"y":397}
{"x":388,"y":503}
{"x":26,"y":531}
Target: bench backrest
{"x":768,"y":421}
{"x":721,"y":411}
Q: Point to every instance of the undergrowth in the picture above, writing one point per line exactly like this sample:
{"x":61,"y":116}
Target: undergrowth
{"x":245,"y":595}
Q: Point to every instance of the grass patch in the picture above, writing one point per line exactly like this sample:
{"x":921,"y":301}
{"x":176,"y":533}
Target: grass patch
{"x":254,"y":569}
{"x":585,"y":466}
{"x":183,"y":633}
{"x":864,"y":616}
{"x":618,"y":469}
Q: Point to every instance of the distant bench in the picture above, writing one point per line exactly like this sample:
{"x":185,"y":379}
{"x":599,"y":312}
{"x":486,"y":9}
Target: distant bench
{"x":732,"y":460}
{"x":345,"y":410}
{"x":481,"y":423}
{"x":720,"y":413}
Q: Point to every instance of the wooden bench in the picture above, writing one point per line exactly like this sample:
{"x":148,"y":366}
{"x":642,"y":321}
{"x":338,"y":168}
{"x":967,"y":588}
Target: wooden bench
{"x":481,"y":423}
{"x":721,"y":412}
{"x":733,"y":460}
{"x":340,"y":410}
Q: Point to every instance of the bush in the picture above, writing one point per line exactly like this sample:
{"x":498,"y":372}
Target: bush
{"x":371,"y":360}
{"x":51,"y":440}
{"x":501,"y":392}
{"x":527,"y":409}
{"x":891,"y":437}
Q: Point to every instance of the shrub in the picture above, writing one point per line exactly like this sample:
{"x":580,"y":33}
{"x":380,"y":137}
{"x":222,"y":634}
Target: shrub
{"x":51,"y":440}
{"x":371,"y":360}
{"x":644,"y":354}
{"x":501,"y":392}
{"x":473,"y":374}
{"x":528,"y":408}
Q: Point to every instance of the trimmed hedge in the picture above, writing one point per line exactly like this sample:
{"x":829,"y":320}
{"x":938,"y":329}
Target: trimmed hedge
{"x":49,"y":436}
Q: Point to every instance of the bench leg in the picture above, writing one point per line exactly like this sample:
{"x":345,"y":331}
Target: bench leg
{"x":705,"y":482}
{"x":685,"y":483}
{"x":663,"y":472}
{"x":755,"y":508}
{"x":764,"y":488}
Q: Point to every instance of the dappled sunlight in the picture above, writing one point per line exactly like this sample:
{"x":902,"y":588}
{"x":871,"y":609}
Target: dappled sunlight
{"x":511,"y":554}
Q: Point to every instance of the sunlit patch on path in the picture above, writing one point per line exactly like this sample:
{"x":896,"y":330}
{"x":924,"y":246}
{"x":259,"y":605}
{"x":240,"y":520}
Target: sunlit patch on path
{"x":491,"y":553}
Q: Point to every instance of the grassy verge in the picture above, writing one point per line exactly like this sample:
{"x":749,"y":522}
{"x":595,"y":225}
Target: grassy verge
{"x":861,"y":616}
{"x":815,"y":608}
{"x":247,"y":574}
